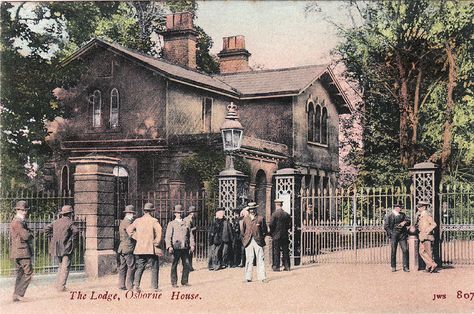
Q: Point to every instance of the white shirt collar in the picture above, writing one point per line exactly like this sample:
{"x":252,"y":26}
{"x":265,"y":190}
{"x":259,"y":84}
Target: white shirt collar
{"x":395,"y":212}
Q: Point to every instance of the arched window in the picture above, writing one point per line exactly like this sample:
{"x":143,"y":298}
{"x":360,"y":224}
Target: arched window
{"x":324,"y":126}
{"x":317,"y":125}
{"x":114,"y":108}
{"x":96,"y":108}
{"x":310,"y":122}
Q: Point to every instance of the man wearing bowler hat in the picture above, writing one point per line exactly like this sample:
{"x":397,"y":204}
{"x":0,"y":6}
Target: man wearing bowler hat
{"x":179,"y":242}
{"x":280,"y":223}
{"x":190,"y":220}
{"x":21,"y":249}
{"x":254,"y":230}
{"x":146,"y":231}
{"x":425,"y":225}
{"x":64,"y":236}
{"x":395,"y":224}
{"x":125,"y":250}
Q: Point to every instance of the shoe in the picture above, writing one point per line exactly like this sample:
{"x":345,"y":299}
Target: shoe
{"x":137,"y":289}
{"x":62,"y":289}
{"x":123,"y":288}
{"x":157,"y":290}
{"x":16,"y":298}
{"x":174,"y":285}
{"x":264,"y":280}
{"x":433,"y":268}
{"x":394,"y":269}
{"x":286,"y":269}
{"x":405,"y":269}
{"x":248,"y":280}
{"x":186,"y":285}
{"x":241,"y":265}
{"x":275,"y":269}
{"x":191,"y":269}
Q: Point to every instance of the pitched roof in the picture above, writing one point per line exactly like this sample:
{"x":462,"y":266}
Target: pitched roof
{"x":243,"y":85}
{"x":273,"y":82}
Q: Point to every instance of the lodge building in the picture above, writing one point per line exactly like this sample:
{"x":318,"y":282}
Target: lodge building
{"x":151,"y":113}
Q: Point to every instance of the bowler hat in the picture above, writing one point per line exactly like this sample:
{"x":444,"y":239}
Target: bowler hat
{"x":21,"y":205}
{"x":218,"y":209}
{"x":397,"y":205}
{"x":178,"y":209}
{"x":129,"y":209}
{"x":66,"y":209}
{"x":192,"y":209}
{"x":251,"y":205}
{"x":148,"y":207}
{"x":278,"y":201}
{"x":423,"y":203}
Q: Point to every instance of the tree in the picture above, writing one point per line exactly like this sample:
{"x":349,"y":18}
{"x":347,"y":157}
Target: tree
{"x":404,"y":54}
{"x":31,"y":55}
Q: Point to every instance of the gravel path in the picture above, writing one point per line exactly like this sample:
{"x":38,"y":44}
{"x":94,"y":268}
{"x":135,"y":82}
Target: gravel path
{"x":308,"y":289}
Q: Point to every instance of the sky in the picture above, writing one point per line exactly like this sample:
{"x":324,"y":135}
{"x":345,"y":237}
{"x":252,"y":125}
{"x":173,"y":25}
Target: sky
{"x":277,"y":33}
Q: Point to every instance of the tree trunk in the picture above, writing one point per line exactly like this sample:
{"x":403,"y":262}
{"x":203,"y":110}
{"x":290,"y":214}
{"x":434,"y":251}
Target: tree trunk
{"x":448,"y":123}
{"x":403,"y":107}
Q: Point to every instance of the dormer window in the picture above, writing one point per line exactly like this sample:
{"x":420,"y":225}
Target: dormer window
{"x":206,"y":114}
{"x":96,"y":108}
{"x":114,"y":108}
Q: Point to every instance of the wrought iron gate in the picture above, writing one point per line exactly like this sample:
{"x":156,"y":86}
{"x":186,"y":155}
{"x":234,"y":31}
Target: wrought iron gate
{"x":346,"y":225}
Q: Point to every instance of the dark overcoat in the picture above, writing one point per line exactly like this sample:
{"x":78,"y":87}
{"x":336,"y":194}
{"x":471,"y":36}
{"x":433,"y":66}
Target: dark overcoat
{"x":280,"y":223}
{"x":63,"y":235}
{"x":21,"y":239}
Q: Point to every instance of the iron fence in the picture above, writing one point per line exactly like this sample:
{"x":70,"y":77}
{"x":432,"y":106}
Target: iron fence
{"x":457,"y":223}
{"x":44,"y":207}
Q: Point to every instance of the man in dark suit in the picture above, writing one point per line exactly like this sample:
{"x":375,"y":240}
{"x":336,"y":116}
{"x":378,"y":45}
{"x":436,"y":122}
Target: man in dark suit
{"x":280,"y":223}
{"x":190,"y":220}
{"x":21,"y":250}
{"x":125,"y":250}
{"x":254,"y":230}
{"x":63,"y":235}
{"x":395,"y":225}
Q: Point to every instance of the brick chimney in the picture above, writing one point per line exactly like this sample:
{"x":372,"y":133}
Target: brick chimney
{"x":234,"y":57}
{"x":180,"y":39}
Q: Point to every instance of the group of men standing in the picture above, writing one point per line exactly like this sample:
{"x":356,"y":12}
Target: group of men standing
{"x":397,"y":225}
{"x":239,"y":242}
{"x":63,"y":234}
{"x":140,"y":242}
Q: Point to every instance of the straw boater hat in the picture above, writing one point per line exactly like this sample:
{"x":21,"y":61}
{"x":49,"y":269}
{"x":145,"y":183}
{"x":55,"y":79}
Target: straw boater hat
{"x":148,"y":207}
{"x":422,"y":203}
{"x":66,"y":209}
{"x":129,"y":209}
{"x":178,"y":209}
{"x":251,"y":205}
{"x":278,"y":201}
{"x":21,"y":205}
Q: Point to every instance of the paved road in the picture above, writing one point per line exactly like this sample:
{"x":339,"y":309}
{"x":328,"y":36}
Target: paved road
{"x":309,"y":289}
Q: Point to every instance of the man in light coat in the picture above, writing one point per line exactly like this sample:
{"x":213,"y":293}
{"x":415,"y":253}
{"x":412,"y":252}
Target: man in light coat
{"x":21,"y":250}
{"x":125,"y":250}
{"x":425,"y":225}
{"x":179,"y":242}
{"x":254,"y":230}
{"x":64,"y":235}
{"x":146,"y":230}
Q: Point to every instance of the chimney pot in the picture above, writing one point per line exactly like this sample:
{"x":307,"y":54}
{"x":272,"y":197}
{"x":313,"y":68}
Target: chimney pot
{"x":180,"y":39}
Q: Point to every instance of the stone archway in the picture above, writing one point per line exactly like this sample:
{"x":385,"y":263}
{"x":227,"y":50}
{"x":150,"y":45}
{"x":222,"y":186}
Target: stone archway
{"x":261,"y":191}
